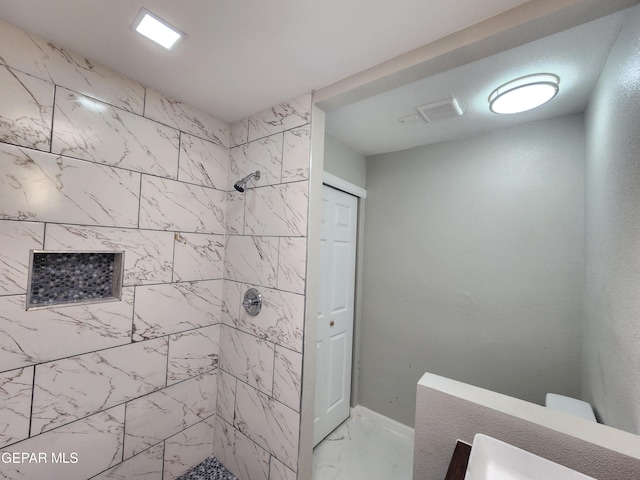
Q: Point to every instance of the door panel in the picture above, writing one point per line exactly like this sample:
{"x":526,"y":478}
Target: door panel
{"x":335,"y":310}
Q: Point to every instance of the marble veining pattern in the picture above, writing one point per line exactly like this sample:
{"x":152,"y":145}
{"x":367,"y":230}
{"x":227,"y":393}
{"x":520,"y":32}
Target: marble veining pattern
{"x":26,"y":109}
{"x":239,"y":133}
{"x":240,"y":455}
{"x":146,"y":465}
{"x":15,"y":400}
{"x":147,"y":253}
{"x":188,"y":448}
{"x":269,"y":423}
{"x":292,"y":264}
{"x":35,"y":56}
{"x":26,"y":336}
{"x":203,"y":162}
{"x":280,"y":321}
{"x":173,"y":308}
{"x":226,"y":396}
{"x":287,"y":377}
{"x":296,"y":154}
{"x":171,"y":205}
{"x":39,"y":186}
{"x":247,"y":358}
{"x":252,"y":259}
{"x":16,"y":239}
{"x":231,"y":304}
{"x":198,"y":256}
{"x":96,"y":439}
{"x":91,"y":130}
{"x":288,"y":115}
{"x":72,"y":388}
{"x":360,"y":448}
{"x":278,"y":210}
{"x":159,"y":415}
{"x":185,"y":118}
{"x":279,"y":471}
{"x":264,"y":155}
{"x":193,"y":353}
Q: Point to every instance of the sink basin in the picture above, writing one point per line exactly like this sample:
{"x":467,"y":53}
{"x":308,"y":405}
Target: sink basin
{"x":493,"y":459}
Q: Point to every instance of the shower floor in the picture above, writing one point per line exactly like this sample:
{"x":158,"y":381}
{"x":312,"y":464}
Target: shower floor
{"x":210,"y":469}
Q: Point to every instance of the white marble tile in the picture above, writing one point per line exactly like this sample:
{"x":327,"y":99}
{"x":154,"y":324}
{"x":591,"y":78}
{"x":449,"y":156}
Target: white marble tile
{"x":269,"y":423}
{"x":288,"y":115}
{"x":185,"y":118}
{"x":226,"y":396}
{"x":235,"y":213}
{"x":279,"y":471}
{"x":72,"y":388}
{"x":171,"y":205}
{"x":188,"y":448}
{"x":296,"y":154}
{"x":91,"y":130}
{"x":252,"y":260}
{"x":280,"y":321}
{"x":36,"y":336}
{"x":231,"y":303}
{"x":15,"y":404}
{"x":239,"y":454}
{"x":287,"y":377}
{"x":36,"y":56}
{"x":26,"y":109}
{"x":96,"y":441}
{"x":146,"y":465}
{"x":239,"y":132}
{"x":40,"y":186}
{"x":278,"y":210}
{"x":159,"y":415}
{"x":16,"y":239}
{"x":176,"y":307}
{"x":264,"y":155}
{"x":198,"y":256}
{"x":193,"y":353}
{"x":203,"y":162}
{"x":247,"y":358}
{"x":147,"y":253}
{"x":292,"y":264}
{"x":360,"y":448}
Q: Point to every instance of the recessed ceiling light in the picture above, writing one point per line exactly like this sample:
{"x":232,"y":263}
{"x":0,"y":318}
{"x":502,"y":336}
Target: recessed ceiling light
{"x":156,"y":29}
{"x":524,"y":93}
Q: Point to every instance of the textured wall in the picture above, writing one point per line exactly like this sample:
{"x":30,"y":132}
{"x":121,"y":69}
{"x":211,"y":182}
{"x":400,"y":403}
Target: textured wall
{"x":90,"y":159}
{"x":257,"y":429}
{"x":473,"y":266}
{"x":448,"y":411}
{"x":611,"y":332}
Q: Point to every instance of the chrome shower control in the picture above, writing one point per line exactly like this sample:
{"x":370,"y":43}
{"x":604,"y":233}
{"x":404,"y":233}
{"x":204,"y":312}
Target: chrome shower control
{"x":252,"y":302}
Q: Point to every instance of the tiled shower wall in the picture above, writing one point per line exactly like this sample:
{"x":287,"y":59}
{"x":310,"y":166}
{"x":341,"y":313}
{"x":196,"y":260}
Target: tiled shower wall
{"x":257,"y":428}
{"x":92,"y":160}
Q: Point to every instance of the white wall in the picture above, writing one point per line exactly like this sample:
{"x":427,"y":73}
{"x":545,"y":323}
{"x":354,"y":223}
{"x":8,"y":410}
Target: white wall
{"x":344,"y":162}
{"x":473,"y":266}
{"x":611,"y":334}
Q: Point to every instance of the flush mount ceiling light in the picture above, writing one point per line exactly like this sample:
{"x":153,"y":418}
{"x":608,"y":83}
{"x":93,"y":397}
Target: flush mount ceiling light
{"x":524,"y":93}
{"x":156,"y":29}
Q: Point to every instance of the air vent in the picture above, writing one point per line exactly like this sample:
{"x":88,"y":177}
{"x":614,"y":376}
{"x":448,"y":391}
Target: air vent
{"x":440,"y":110}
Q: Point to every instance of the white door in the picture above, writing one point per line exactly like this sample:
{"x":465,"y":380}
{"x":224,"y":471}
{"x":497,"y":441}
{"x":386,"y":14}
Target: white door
{"x":335,"y":310}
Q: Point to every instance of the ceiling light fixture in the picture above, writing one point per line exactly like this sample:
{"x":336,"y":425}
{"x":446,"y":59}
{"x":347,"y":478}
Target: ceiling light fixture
{"x":156,"y":29}
{"x":524,"y":93}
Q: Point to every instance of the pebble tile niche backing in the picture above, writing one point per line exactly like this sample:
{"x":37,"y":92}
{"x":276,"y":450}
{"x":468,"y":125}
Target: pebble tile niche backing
{"x":64,"y":278}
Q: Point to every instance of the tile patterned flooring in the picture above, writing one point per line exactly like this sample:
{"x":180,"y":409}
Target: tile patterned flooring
{"x":360,"y":449}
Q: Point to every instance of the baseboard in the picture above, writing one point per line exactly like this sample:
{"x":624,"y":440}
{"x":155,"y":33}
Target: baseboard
{"x":385,"y":422}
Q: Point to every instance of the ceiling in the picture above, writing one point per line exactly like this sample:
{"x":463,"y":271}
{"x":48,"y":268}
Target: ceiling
{"x":243,"y":56}
{"x":577,"y":56}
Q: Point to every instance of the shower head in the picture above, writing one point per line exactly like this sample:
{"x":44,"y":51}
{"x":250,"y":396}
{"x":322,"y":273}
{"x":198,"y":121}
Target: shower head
{"x":239,"y":185}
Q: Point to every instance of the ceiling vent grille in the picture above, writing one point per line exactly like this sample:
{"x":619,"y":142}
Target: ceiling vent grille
{"x":440,"y":110}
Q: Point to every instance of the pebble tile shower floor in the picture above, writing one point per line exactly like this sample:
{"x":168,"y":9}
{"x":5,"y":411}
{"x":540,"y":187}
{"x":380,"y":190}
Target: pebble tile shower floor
{"x":210,"y":469}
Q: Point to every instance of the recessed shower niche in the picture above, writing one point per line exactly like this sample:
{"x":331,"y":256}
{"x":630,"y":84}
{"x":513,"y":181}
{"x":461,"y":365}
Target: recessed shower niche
{"x":58,"y":278}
